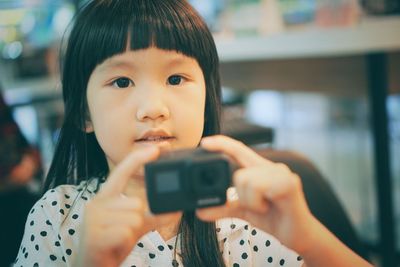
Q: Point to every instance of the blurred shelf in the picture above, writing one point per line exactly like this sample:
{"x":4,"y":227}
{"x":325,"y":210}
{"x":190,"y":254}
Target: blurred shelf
{"x":31,"y":91}
{"x":248,"y":133}
{"x":371,"y":35}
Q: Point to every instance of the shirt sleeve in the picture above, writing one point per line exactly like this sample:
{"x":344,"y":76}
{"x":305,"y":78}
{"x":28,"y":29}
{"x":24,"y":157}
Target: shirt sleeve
{"x":268,"y":251}
{"x":246,"y":246}
{"x":51,"y":234}
{"x":41,"y":245}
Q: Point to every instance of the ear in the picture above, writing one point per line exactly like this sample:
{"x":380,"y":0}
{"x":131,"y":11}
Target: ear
{"x":88,"y":123}
{"x":89,"y":127}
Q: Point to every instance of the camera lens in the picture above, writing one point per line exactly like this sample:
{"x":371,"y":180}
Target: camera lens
{"x":207,"y":178}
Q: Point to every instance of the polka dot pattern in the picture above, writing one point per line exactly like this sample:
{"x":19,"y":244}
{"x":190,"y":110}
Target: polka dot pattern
{"x":47,"y":241}
{"x":248,"y":246}
{"x":52,"y":235}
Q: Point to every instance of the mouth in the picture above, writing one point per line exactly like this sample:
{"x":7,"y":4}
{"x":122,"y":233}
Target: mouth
{"x":155,"y":139}
{"x":156,"y":136}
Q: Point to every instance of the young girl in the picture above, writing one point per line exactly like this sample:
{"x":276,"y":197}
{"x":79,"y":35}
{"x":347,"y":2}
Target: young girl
{"x":141,"y":76}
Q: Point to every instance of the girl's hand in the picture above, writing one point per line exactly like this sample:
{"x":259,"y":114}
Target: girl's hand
{"x":113,"y":223}
{"x":270,"y":196}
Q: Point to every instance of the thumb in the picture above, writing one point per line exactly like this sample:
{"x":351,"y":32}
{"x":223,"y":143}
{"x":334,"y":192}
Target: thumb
{"x":117,"y":181}
{"x":232,"y":208}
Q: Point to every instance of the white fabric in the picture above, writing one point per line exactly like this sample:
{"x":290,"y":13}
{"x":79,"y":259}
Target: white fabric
{"x":51,"y":237}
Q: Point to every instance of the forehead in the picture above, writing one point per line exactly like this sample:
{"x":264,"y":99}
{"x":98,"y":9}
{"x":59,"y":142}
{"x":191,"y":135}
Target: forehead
{"x":138,"y":58}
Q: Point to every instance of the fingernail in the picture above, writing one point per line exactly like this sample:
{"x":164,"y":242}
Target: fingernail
{"x":206,"y":140}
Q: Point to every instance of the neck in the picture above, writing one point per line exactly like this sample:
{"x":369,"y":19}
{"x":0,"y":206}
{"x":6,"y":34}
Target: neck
{"x":170,"y":230}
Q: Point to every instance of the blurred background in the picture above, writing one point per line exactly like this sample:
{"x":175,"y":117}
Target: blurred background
{"x":318,"y":77}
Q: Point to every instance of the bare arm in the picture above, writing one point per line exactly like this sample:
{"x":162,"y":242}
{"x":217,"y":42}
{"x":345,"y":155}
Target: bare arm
{"x":325,"y":249}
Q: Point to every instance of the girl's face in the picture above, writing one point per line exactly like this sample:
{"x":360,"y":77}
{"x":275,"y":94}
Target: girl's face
{"x":146,"y":96}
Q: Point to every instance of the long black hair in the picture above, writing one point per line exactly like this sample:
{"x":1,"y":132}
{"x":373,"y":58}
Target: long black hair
{"x":102,"y":29}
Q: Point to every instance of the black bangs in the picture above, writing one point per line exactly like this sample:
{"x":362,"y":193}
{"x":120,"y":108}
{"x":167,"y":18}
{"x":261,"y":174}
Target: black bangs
{"x":99,"y":32}
{"x":169,"y":25}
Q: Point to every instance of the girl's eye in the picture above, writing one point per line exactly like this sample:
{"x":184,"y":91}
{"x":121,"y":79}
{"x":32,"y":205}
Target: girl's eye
{"x":175,"y":80}
{"x":122,"y":83}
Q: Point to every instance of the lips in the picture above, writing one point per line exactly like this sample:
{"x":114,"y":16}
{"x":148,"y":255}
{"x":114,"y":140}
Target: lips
{"x":155,"y":136}
{"x":154,"y":139}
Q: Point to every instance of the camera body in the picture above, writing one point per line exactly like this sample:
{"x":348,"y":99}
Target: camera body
{"x":187,"y":180}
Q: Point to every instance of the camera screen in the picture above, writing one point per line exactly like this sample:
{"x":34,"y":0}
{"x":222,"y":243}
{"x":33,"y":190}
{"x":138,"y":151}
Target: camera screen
{"x":167,"y":181}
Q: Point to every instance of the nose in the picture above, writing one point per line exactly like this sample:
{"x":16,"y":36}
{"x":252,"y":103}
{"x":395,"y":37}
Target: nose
{"x":152,"y":107}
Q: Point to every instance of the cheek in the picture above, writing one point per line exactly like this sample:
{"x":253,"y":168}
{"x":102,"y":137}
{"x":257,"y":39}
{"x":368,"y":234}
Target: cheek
{"x":192,"y":126}
{"x":189,"y":121}
{"x":112,"y":132}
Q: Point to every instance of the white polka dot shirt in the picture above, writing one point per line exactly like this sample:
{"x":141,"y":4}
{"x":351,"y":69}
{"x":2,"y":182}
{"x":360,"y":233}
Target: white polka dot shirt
{"x":53,"y":226}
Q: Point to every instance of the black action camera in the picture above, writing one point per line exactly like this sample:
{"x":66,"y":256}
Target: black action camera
{"x":187,"y":180}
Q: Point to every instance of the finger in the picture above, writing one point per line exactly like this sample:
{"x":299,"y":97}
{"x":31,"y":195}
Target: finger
{"x":232,"y":208}
{"x":119,"y":178}
{"x":159,"y":220}
{"x":250,"y":189}
{"x":269,"y":184}
{"x":280,"y":182}
{"x":134,"y":220}
{"x":117,"y":235}
{"x":137,"y":222}
{"x":124,"y":203}
{"x":240,"y":184}
{"x":242,"y":154}
{"x":254,"y":200}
